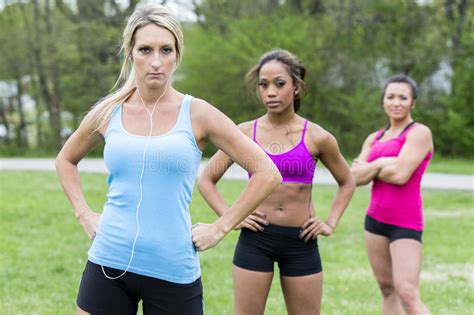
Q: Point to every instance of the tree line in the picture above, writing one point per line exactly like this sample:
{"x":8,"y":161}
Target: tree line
{"x":64,"y":56}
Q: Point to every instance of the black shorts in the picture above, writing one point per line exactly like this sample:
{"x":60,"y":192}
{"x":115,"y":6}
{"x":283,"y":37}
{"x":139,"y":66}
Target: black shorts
{"x":258,"y":251}
{"x":393,"y":232}
{"x":100,"y":295}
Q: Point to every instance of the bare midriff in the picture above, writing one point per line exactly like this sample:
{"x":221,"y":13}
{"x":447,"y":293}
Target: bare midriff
{"x":288,"y":205}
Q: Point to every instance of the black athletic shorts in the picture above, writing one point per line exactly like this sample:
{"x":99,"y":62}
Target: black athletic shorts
{"x":258,"y":251}
{"x":393,"y":232}
{"x":100,"y":295}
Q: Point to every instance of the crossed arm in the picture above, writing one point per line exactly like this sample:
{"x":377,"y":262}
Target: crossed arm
{"x":394,"y":170}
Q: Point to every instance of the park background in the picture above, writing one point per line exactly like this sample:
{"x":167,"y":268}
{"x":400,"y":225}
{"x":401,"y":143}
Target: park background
{"x":58,"y":57}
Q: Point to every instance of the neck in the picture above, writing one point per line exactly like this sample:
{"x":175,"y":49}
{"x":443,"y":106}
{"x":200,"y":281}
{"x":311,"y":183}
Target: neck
{"x":281,"y":118}
{"x":398,"y":125}
{"x":150,"y":97}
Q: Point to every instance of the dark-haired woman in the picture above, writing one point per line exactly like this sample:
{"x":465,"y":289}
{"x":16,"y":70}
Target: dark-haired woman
{"x":284,"y":227}
{"x":394,"y":159}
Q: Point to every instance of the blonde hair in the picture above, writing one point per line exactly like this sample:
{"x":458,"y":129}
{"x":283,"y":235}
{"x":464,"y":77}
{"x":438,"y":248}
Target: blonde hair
{"x":144,"y":14}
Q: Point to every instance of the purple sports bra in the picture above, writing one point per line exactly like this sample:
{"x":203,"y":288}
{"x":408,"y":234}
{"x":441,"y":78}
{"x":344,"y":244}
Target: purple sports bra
{"x":296,"y":165}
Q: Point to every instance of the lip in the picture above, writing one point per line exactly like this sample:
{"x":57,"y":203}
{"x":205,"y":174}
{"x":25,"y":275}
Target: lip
{"x":156,"y":74}
{"x":272,"y":103}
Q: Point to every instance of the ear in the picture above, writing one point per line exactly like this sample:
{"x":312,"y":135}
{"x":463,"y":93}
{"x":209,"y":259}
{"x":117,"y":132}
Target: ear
{"x":413,"y":104}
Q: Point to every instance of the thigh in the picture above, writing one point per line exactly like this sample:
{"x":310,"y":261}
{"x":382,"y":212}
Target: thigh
{"x":99,"y":295}
{"x":298,"y":258}
{"x":255,"y":251}
{"x":378,"y":251}
{"x":303,"y":294}
{"x":250,"y":290}
{"x":167,"y":298}
{"x":406,"y":257}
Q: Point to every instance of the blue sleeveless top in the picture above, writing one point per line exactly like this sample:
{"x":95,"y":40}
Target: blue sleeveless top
{"x":164,"y":248}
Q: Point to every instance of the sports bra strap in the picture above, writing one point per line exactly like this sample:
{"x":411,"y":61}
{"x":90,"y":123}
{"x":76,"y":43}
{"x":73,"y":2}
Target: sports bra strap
{"x":255,"y":130}
{"x":380,"y":133}
{"x":408,"y":127}
{"x":304,"y":130}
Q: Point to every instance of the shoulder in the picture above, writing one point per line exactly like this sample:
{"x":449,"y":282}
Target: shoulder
{"x":247,"y":127}
{"x":200,"y":106}
{"x":204,"y":112}
{"x":318,"y":134}
{"x":420,"y":129}
{"x":371,"y":137}
{"x":420,"y":133}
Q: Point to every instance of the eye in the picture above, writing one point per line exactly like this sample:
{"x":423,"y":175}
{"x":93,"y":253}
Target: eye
{"x":166,"y":50}
{"x":144,"y":50}
{"x":280,"y":83}
{"x":263,"y":84}
{"x":390,"y":97}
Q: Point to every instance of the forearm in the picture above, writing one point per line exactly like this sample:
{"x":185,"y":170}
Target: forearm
{"x":70,"y":181}
{"x":341,"y":200}
{"x":213,"y":197}
{"x":258,"y":188}
{"x":393,"y":174}
{"x":365,"y":173}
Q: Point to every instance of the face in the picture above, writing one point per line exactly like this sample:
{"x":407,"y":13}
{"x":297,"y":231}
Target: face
{"x":398,"y":101}
{"x":275,"y":87}
{"x":154,"y":55}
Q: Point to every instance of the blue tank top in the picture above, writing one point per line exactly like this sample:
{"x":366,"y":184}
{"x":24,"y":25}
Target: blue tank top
{"x":164,"y":248}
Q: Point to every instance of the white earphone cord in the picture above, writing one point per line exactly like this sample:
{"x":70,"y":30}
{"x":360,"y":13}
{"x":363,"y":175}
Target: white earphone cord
{"x":150,"y":115}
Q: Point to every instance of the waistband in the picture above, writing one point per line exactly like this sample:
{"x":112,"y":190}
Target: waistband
{"x":283,"y":230}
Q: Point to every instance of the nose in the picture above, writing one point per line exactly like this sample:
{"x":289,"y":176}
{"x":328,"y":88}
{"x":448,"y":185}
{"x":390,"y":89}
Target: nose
{"x":155,"y":61}
{"x":271,"y":91}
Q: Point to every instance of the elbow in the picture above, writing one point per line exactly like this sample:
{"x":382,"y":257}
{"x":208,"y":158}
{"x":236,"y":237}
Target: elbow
{"x":277,"y":179}
{"x":58,"y":162}
{"x":204,"y":182}
{"x":275,"y":176}
{"x":271,"y":179}
{"x":400,"y":180}
{"x":349,"y":183}
{"x":397,"y":178}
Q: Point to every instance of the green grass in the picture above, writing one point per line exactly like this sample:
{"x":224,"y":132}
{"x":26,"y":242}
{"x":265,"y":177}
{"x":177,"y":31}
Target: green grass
{"x":43,"y":251}
{"x":451,"y":165}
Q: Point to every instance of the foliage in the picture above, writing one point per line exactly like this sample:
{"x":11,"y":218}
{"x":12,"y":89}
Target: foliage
{"x":349,"y":48}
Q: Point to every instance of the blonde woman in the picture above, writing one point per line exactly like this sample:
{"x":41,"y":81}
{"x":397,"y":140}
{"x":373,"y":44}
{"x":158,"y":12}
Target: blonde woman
{"x":144,"y":247}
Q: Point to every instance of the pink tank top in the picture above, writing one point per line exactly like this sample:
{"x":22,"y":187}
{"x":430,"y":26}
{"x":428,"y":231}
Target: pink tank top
{"x":296,"y":165}
{"x":399,"y":205}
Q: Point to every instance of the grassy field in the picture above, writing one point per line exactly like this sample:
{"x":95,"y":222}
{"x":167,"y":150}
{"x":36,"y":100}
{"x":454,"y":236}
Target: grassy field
{"x":43,"y":251}
{"x":451,"y":165}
